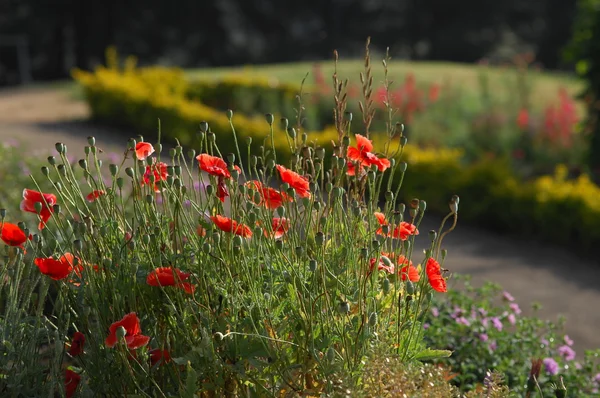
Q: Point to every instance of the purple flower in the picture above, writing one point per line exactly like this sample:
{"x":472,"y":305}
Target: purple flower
{"x":463,"y":320}
{"x":485,"y":322}
{"x":515,"y":308}
{"x":482,"y":311}
{"x":566,"y":352}
{"x":551,"y":366}
{"x":512,"y":319}
{"x":544,"y":342}
{"x":426,"y":326}
{"x":493,"y":345}
{"x":199,"y":186}
{"x":568,"y":340}
{"x":483,"y":337}
{"x":596,"y":378}
{"x":579,"y":366}
{"x":159,"y":199}
{"x":435,"y":312}
{"x":114,"y":157}
{"x":497,"y":323}
{"x":187,"y":203}
{"x":507,"y":296}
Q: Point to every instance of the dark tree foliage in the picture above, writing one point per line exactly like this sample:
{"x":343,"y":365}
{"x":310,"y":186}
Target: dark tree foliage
{"x":62,"y":34}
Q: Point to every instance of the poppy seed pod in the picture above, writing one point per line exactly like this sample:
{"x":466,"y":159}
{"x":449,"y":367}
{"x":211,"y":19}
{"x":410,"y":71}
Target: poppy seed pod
{"x":257,"y":230}
{"x":373,"y":319}
{"x":62,"y":170}
{"x":386,"y":287}
{"x":328,"y":187}
{"x":330,"y":354}
{"x":412,"y":213}
{"x":279,"y":244}
{"x":345,"y":140}
{"x":375,"y":245}
{"x":51,"y":160}
{"x":59,"y":147}
{"x":121,"y":332}
{"x":320,"y":153}
{"x":348,"y":116}
{"x":172,"y":153}
{"x":292,"y":133}
{"x":91,"y":141}
{"x":317,"y":206}
{"x":120,"y":182}
{"x":344,"y":307}
{"x":45,"y":171}
{"x":281,"y":211}
{"x":191,"y":153}
{"x":131,"y":143}
{"x":422,"y":206}
{"x":312,"y":265}
{"x":235,"y":174}
{"x":406,"y":245}
{"x":211,"y":137}
{"x":304,"y":138}
{"x":210,"y":190}
{"x":231,"y":157}
{"x":86,"y":150}
{"x":432,"y":235}
{"x":216,"y":238}
{"x":389,"y":196}
{"x":177,"y":170}
{"x":320,"y":238}
{"x":341,"y":163}
{"x":237,"y":240}
{"x":269,"y":118}
{"x":58,"y":186}
{"x":2,"y":213}
{"x":271,"y":166}
{"x":83,"y":164}
{"x":129,"y":172}
{"x":204,"y":127}
{"x":403,"y":141}
{"x":77,"y":245}
{"x":299,"y":250}
{"x":206,"y":248}
{"x":200,"y":136}
{"x":410,"y":288}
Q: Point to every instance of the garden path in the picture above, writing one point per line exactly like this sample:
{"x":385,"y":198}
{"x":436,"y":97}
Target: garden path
{"x":559,"y":280}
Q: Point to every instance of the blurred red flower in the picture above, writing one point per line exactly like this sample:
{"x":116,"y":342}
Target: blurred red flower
{"x":296,"y":181}
{"x":72,"y":380}
{"x":133,"y":333}
{"x":94,"y":195}
{"x":228,"y":225}
{"x":159,"y":171}
{"x":434,"y":274}
{"x":77,"y":343}
{"x":362,"y":155}
{"x":12,"y":235}
{"x":165,"y":276}
{"x":47,"y":200}
{"x":143,"y":150}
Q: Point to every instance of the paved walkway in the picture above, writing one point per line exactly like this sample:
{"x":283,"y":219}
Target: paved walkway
{"x":560,"y":281}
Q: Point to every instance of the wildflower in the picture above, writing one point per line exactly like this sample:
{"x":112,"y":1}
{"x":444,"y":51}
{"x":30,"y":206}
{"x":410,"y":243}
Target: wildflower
{"x":568,"y":340}
{"x":512,"y":319}
{"x":12,"y":235}
{"x":482,"y":311}
{"x":213,"y":165}
{"x":72,"y":380}
{"x":507,"y":296}
{"x":58,"y":269}
{"x":435,"y":312}
{"x":269,"y":197}
{"x":381,"y":266}
{"x":228,"y":225}
{"x":295,"y":180}
{"x":362,"y":155}
{"x":515,"y":308}
{"x":94,"y":195}
{"x":497,"y":323}
{"x":47,"y":200}
{"x":493,"y":345}
{"x":409,"y":272}
{"x":166,"y":276}
{"x":143,"y":150}
{"x":133,"y":333}
{"x":464,"y":321}
{"x":400,"y":259}
{"x":279,"y":226}
{"x":159,"y":171}
{"x":426,"y":326}
{"x":551,"y":366}
{"x":77,"y":343}
{"x":483,"y":337}
{"x":434,"y":274}
{"x":157,"y":355}
{"x":402,"y":231}
{"x":566,"y":352}
{"x":523,"y":119}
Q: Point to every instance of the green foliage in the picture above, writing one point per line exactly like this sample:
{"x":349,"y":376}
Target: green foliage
{"x":484,"y":329}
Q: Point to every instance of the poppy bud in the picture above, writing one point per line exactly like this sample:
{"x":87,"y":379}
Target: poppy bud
{"x":271,"y":165}
{"x":401,"y":208}
{"x":410,"y":288}
{"x":211,"y":137}
{"x":299,"y":251}
{"x":386,"y":286}
{"x":444,"y":253}
{"x":269,"y":118}
{"x":387,"y":261}
{"x":317,"y":206}
{"x":304,"y":138}
{"x":2,"y":213}
{"x":177,"y":183}
{"x":77,"y":245}
{"x":249,"y":141}
{"x":312,"y":265}
{"x":320,"y":153}
{"x":344,"y":307}
{"x":200,"y":136}
{"x":389,"y":196}
{"x":206,"y":248}
{"x":320,"y":238}
{"x":345,"y":140}
{"x":86,"y":150}
{"x":348,"y":116}
{"x":131,"y":143}
{"x":204,"y":127}
{"x":371,"y":175}
{"x":131,"y":245}
{"x":210,"y":190}
{"x":62,"y":170}
{"x":375,"y":245}
{"x":191,"y":153}
{"x":291,"y":192}
{"x":330,"y":354}
{"x":279,"y":244}
{"x":229,"y":114}
{"x":283,"y":122}
{"x":403,"y":141}
{"x":51,"y":160}
{"x":120,"y":182}
{"x":99,"y":162}
{"x":36,"y":238}
{"x":412,"y":213}
{"x":83,"y":164}
{"x":253,"y":161}
{"x":373,"y":319}
{"x":292,"y":133}
{"x":59,"y":147}
{"x":422,"y":206}
{"x":177,"y":170}
{"x":385,"y":229}
{"x":45,"y":171}
{"x":364,"y":252}
{"x":146,"y":239}
{"x":237,"y":240}
{"x":432,"y":235}
{"x":172,"y":153}
{"x":235,"y":174}
{"x":341,"y":163}
{"x":322,"y":221}
{"x":406,"y":245}
{"x":121,"y":332}
{"x":257,"y":230}
{"x":328,"y":187}
{"x":216,"y":238}
{"x":130,"y":173}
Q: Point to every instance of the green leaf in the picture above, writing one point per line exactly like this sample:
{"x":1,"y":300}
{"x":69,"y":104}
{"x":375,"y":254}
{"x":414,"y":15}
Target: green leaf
{"x":429,"y":354}
{"x":190,"y":383}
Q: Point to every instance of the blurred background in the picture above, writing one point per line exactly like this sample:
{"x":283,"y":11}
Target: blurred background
{"x":45,"y":39}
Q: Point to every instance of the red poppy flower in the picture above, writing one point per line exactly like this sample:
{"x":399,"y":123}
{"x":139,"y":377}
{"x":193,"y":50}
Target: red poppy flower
{"x":295,"y":180}
{"x":94,"y":195}
{"x":58,"y":269}
{"x":404,"y":230}
{"x":12,"y":235}
{"x":410,"y":272}
{"x":77,"y":344}
{"x":279,"y":227}
{"x":72,"y":380}
{"x":222,"y":191}
{"x":157,"y":355}
{"x":380,"y":218}
{"x":48,"y":200}
{"x":381,"y":266}
{"x":434,"y":274}
{"x":143,"y":150}
{"x":399,"y":259}
{"x":200,"y":231}
{"x":133,"y":333}
{"x":159,"y":170}
{"x":214,"y":165}
{"x":165,"y":276}
{"x":362,"y":155}
{"x":228,"y":225}
{"x":269,"y":197}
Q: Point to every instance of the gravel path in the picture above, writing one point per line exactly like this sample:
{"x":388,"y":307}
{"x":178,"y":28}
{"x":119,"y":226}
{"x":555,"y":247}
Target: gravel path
{"x":560,"y":281}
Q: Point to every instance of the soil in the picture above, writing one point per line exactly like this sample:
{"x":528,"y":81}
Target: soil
{"x":561,"y":281}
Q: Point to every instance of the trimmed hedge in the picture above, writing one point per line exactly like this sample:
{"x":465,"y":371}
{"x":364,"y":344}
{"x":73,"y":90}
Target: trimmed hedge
{"x":552,"y":208}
